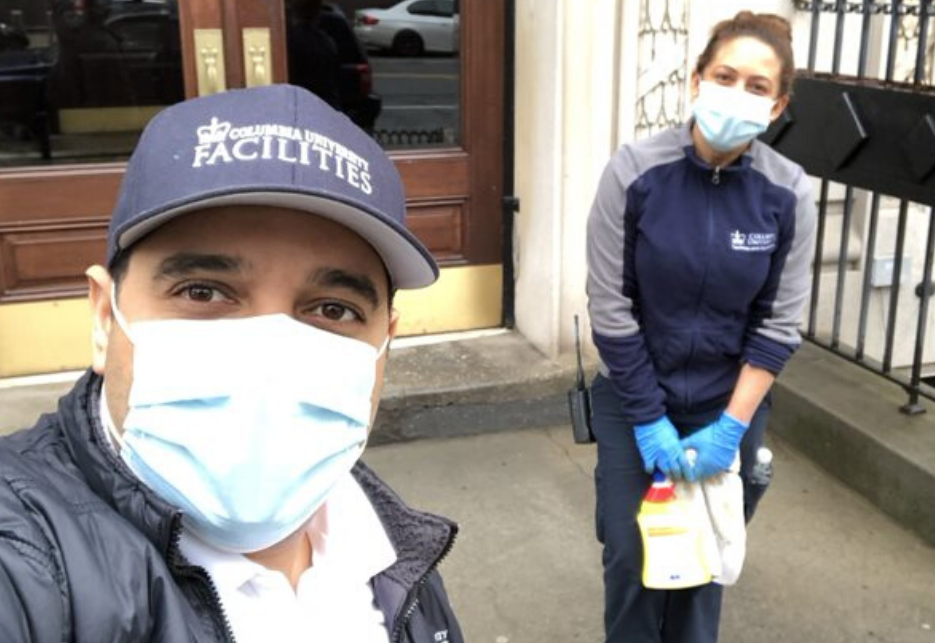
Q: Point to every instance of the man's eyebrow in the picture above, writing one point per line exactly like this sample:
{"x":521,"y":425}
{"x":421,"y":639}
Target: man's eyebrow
{"x":185,"y":263}
{"x":356,"y":282}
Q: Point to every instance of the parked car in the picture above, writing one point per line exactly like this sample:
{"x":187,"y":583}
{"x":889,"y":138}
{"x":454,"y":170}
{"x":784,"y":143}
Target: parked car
{"x":12,"y":38}
{"x":411,"y":27}
{"x":147,"y":64}
{"x":116,"y":53}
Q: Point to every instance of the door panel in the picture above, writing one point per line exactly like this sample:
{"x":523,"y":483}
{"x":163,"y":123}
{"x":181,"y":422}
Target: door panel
{"x":35,"y":258}
{"x":62,"y":151}
{"x":64,"y":213}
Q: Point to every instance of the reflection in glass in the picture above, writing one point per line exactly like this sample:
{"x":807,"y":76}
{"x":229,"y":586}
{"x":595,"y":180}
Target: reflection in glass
{"x":80,"y":78}
{"x":393,"y":68}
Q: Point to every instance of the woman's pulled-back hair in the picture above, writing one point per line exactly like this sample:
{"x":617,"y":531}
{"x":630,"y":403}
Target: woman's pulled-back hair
{"x":768,"y":28}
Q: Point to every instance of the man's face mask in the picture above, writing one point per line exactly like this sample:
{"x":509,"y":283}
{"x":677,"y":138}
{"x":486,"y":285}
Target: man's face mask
{"x":245,"y":424}
{"x":729,"y":118}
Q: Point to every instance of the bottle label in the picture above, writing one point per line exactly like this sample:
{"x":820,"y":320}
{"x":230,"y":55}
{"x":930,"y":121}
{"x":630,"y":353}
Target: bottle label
{"x":672,"y":554}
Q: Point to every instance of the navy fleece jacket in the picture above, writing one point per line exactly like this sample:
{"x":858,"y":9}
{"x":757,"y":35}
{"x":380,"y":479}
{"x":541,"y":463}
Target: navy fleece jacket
{"x":694,"y":270}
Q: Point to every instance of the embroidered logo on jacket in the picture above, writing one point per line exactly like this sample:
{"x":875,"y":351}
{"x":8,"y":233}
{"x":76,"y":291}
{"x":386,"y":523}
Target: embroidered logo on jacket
{"x":753,"y":241}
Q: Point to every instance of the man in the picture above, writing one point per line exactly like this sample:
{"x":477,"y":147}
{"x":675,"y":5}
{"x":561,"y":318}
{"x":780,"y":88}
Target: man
{"x":201,"y":482}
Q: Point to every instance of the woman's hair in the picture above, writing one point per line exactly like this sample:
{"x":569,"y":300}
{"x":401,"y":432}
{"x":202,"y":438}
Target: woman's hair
{"x":768,"y":28}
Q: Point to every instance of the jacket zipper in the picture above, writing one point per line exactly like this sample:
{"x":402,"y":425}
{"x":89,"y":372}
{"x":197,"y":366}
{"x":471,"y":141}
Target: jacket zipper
{"x":715,"y":180}
{"x":414,"y":602}
{"x":185,"y":570}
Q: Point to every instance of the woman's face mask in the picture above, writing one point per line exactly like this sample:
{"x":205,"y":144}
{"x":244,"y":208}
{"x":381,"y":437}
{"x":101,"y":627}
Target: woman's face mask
{"x":729,"y":118}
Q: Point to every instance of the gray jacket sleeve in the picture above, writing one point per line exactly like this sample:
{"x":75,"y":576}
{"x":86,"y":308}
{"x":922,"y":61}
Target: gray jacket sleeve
{"x":612,"y":293}
{"x":773,"y":332}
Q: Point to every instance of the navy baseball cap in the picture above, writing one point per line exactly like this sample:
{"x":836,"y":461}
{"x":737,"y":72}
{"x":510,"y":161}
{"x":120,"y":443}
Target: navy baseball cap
{"x":278,"y":146}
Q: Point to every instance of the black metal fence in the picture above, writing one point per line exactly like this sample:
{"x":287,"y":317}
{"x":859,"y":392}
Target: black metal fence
{"x":862,"y":122}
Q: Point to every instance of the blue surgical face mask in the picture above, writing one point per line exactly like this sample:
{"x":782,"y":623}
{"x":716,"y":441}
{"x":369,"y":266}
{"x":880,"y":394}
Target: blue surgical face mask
{"x":729,"y":118}
{"x":245,"y":424}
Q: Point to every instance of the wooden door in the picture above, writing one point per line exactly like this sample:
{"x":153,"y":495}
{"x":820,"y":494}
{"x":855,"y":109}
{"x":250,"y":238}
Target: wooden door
{"x":76,"y":93}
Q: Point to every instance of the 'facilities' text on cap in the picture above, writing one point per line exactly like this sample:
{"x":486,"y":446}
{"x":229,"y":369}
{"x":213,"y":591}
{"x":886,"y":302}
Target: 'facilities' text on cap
{"x":279,"y":146}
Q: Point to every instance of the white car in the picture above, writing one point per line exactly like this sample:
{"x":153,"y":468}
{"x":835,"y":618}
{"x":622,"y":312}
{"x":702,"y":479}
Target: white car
{"x":411,"y":27}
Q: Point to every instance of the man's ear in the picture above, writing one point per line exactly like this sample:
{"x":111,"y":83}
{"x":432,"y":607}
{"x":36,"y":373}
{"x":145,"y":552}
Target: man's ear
{"x":99,"y":285}
{"x":394,"y":322}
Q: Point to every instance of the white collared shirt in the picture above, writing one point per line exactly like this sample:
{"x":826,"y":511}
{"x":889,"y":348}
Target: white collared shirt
{"x":333,"y":600}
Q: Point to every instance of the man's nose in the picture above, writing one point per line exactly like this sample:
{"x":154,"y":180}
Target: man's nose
{"x":272,"y":304}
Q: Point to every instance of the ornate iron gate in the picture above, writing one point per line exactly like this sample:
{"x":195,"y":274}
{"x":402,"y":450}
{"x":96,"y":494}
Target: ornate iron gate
{"x":862,"y":122}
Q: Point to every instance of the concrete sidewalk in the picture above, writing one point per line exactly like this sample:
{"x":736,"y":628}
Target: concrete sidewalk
{"x":823,"y":564}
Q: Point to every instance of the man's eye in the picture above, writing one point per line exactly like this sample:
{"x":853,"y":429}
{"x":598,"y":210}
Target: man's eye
{"x":336,"y":312}
{"x":202,"y":293}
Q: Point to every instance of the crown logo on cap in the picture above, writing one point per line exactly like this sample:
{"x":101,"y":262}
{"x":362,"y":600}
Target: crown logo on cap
{"x":215,"y":132}
{"x":738,"y":238}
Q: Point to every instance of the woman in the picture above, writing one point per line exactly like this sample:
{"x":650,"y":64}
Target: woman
{"x":699,"y":245}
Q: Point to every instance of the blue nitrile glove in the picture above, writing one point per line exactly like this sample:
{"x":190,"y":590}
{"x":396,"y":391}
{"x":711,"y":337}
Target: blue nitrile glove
{"x":715,"y":445}
{"x":660,"y":447}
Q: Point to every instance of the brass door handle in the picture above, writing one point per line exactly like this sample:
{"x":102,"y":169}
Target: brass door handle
{"x":257,"y":57}
{"x":209,"y":61}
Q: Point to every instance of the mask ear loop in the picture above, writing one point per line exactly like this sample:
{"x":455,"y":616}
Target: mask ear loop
{"x":118,"y":316}
{"x":383,"y":347}
{"x":116,"y":437}
{"x":106,"y":419}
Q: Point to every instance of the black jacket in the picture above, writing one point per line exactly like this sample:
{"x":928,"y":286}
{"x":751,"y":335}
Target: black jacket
{"x":89,"y":555}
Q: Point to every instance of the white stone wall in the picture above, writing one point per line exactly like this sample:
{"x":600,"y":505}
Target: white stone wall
{"x":566,"y":88}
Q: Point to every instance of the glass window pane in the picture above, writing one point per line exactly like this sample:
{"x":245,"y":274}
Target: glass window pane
{"x":393,"y":68}
{"x":80,"y":78}
{"x":422,"y":8}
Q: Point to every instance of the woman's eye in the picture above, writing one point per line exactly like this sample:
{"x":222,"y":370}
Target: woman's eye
{"x":336,"y":312}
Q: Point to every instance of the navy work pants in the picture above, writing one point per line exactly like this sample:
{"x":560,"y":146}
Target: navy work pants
{"x":632,"y":613}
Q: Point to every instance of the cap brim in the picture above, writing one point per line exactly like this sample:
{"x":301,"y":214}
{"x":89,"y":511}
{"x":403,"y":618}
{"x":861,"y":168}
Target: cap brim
{"x":407,"y":261}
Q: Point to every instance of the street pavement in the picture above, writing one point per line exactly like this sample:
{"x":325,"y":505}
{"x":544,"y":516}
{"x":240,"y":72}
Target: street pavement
{"x":823,"y":564}
{"x":417,"y":93}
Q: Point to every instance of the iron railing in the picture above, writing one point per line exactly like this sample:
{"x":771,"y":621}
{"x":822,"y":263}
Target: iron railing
{"x":409,"y":137}
{"x":869,"y":229}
